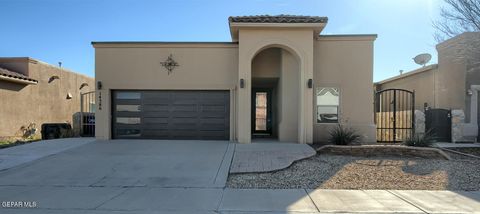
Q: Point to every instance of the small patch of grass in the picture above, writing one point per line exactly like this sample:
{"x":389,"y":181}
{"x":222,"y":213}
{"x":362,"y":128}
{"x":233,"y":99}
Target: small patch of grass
{"x":5,"y":143}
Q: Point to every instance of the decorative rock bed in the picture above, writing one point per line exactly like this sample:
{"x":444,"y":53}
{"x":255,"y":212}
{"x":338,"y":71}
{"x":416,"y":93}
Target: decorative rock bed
{"x":384,"y":150}
{"x":371,"y":167}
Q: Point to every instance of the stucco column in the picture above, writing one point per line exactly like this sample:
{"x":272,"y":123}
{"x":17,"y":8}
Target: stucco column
{"x":308,"y":95}
{"x":474,"y":104}
{"x":244,"y":97}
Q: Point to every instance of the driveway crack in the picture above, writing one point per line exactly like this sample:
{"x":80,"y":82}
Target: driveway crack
{"x":115,"y":196}
{"x":311,"y":199}
{"x":407,"y":201}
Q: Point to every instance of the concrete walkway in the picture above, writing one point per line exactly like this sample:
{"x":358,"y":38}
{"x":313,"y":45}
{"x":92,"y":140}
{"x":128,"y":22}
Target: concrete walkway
{"x":264,"y":157}
{"x":17,"y":155}
{"x":215,"y":200}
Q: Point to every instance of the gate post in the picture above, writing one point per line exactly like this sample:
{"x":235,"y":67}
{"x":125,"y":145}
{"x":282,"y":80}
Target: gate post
{"x":394,"y":116}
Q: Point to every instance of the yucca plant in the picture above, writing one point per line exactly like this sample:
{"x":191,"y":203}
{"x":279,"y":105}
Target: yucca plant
{"x":420,"y":140}
{"x":341,"y":135}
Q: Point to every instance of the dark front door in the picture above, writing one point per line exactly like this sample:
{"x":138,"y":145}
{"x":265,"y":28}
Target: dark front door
{"x":438,"y":122}
{"x":261,"y":112}
{"x":181,"y":114}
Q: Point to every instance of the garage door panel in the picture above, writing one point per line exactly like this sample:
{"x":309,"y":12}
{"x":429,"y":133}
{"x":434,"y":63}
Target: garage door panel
{"x":184,"y":107}
{"x":128,"y":102}
{"x":156,"y":107}
{"x":157,"y":101}
{"x":213,"y":128}
{"x":155,"y":134}
{"x":206,"y":115}
{"x":183,"y":120}
{"x":124,"y":126}
{"x":156,"y":114}
{"x":214,"y":108}
{"x":127,"y":133}
{"x":155,"y":120}
{"x":128,"y":121}
{"x":128,"y":114}
{"x":173,"y":115}
{"x":155,"y":126}
{"x":213,"y":121}
{"x":184,"y":114}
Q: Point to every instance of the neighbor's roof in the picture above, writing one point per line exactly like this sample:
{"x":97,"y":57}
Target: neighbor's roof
{"x":278,"y":19}
{"x":14,"y":75}
{"x":407,"y":74}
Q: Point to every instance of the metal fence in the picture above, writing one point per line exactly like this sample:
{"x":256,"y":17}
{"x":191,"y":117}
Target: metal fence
{"x":87,"y":114}
{"x":394,"y":115}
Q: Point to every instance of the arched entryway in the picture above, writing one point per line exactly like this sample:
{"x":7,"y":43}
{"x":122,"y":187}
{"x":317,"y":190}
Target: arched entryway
{"x":275,"y":90}
{"x":289,"y":53}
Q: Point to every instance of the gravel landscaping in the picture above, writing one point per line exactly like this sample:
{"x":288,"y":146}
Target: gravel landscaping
{"x":347,"y":172}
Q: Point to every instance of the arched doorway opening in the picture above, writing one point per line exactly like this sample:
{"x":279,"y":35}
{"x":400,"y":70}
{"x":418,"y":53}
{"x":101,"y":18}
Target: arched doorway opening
{"x":275,"y":95}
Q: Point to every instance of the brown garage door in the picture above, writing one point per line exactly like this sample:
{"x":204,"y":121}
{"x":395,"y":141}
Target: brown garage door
{"x":195,"y":115}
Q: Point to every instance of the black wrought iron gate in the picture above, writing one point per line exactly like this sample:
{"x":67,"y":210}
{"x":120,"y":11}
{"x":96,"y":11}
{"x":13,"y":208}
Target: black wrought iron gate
{"x":394,"y":115}
{"x":87,"y":114}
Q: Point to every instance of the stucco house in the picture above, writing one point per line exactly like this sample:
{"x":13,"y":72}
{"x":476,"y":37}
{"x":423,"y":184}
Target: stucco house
{"x":279,"y":78}
{"x":32,"y":91}
{"x":453,"y":84}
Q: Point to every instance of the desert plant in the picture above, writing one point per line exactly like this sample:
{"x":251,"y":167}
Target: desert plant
{"x":342,"y":135}
{"x":28,"y":132}
{"x":420,"y":140}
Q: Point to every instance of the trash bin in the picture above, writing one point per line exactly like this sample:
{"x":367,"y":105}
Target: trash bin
{"x":56,"y":130}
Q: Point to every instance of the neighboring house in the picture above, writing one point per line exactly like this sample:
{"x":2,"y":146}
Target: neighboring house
{"x":453,"y":83}
{"x":211,"y":90}
{"x":35,"y":92}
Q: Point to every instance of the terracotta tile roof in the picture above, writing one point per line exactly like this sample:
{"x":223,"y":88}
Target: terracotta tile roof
{"x":278,"y":19}
{"x":15,"y":75}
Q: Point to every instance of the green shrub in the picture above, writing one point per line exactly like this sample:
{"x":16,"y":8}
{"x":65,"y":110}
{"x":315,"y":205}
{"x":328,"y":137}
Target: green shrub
{"x":341,"y":135}
{"x":419,"y":140}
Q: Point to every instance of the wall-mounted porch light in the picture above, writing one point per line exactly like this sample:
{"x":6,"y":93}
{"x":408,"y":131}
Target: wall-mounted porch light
{"x":310,"y":83}
{"x":242,"y":83}
{"x":99,"y":85}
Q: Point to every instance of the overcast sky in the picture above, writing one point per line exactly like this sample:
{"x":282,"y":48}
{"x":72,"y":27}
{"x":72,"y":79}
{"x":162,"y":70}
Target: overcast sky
{"x":61,"y":30}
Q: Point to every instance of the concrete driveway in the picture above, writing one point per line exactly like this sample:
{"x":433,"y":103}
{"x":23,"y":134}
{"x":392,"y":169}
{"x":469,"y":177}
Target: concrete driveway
{"x":178,"y":177}
{"x":129,"y":163}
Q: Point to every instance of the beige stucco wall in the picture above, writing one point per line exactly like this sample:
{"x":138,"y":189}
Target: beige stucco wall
{"x":289,"y":89}
{"x":346,"y":62}
{"x":42,"y":103}
{"x":450,"y":82}
{"x":298,"y":56}
{"x":137,"y":66}
{"x":267,"y":64}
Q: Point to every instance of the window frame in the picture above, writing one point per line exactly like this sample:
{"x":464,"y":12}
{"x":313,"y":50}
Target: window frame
{"x":338,"y":106}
